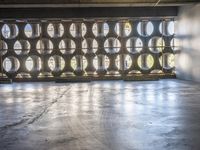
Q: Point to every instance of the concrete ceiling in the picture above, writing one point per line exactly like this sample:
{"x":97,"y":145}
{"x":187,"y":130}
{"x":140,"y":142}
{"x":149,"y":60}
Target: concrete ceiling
{"x":93,"y":3}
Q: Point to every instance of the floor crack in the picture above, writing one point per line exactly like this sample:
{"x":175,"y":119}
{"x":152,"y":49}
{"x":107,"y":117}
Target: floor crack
{"x":13,"y":124}
{"x":55,"y":100}
{"x":34,"y":119}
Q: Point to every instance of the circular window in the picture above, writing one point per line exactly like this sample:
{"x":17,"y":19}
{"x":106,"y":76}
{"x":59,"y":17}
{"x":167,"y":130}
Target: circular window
{"x":33,"y":63}
{"x":127,"y":62}
{"x":145,"y":61}
{"x":11,"y":64}
{"x":83,"y":29}
{"x":123,"y":28}
{"x":78,"y":29}
{"x":175,"y":44}
{"x":117,"y":62}
{"x":145,"y":28}
{"x":32,"y":30}
{"x":10,"y":31}
{"x":22,"y":47}
{"x":29,"y":63}
{"x":100,"y":29}
{"x":3,"y":48}
{"x":73,"y":63}
{"x":55,"y":30}
{"x":134,"y":45}
{"x":101,"y":62}
{"x":67,"y":46}
{"x":56,"y":63}
{"x":44,"y":46}
{"x":156,"y":44}
{"x":79,"y":62}
{"x":112,"y":45}
{"x":73,"y":30}
{"x":167,"y":28}
{"x":89,"y":45}
{"x":167,"y":61}
{"x":95,"y":62}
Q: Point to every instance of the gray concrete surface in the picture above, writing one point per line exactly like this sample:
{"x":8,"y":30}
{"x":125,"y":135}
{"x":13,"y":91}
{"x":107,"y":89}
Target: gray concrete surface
{"x":104,"y":115}
{"x":188,"y":28}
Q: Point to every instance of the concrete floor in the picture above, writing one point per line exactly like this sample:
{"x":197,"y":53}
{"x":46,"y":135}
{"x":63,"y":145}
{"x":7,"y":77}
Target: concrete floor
{"x":109,"y":115}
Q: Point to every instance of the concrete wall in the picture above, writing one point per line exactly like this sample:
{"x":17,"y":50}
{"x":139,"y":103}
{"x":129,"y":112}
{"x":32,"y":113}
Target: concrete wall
{"x":188,"y":31}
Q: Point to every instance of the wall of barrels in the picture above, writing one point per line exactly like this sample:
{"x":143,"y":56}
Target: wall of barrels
{"x":86,"y":48}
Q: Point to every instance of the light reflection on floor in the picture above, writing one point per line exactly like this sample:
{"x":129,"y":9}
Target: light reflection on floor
{"x":104,"y":115}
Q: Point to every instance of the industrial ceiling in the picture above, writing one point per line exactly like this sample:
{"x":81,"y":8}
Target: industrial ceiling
{"x":93,"y":3}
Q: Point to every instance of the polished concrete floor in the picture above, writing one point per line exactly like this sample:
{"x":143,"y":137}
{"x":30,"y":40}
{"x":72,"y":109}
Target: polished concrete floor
{"x":103,"y":115}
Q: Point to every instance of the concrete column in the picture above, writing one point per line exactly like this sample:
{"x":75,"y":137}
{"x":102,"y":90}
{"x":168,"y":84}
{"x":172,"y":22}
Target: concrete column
{"x":132,"y":45}
{"x":101,"y":62}
{"x":111,"y":48}
{"x":165,"y":27}
{"x":154,"y":45}
{"x":89,"y":45}
{"x":122,"y":28}
{"x":144,"y":61}
{"x":36,"y":63}
{"x":1,"y":65}
{"x":78,"y":29}
{"x":122,"y":66}
{"x":13,"y":30}
{"x":14,"y":64}
{"x":100,"y":29}
{"x":79,"y":63}
{"x":35,"y":30}
{"x":165,"y":61}
{"x":144,"y":27}
{"x":112,"y":65}
{"x":57,"y":60}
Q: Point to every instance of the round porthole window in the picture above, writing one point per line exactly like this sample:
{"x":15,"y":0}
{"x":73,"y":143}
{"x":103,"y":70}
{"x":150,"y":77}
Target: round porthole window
{"x":145,"y":61}
{"x":9,"y":31}
{"x":145,"y":28}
